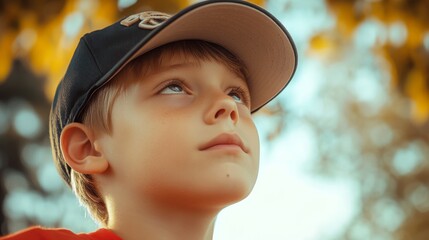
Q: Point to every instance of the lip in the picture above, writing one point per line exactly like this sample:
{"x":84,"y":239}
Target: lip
{"x":224,"y":139}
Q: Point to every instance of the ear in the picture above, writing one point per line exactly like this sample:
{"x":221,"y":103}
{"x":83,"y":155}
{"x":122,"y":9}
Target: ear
{"x":80,"y":151}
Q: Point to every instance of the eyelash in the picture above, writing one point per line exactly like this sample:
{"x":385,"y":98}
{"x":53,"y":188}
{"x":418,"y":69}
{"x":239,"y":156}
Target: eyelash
{"x":173,"y":82}
{"x":242,"y":92}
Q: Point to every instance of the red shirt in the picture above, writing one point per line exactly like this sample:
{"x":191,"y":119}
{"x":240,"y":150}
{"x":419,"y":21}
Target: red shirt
{"x":38,"y":233}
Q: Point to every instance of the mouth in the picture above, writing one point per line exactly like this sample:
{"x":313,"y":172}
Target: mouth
{"x":225,"y":140}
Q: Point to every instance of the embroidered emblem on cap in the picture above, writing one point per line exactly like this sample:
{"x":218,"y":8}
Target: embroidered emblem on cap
{"x":149,"y":19}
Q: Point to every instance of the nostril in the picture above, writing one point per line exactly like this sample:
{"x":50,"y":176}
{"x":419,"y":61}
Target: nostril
{"x":220,"y":112}
{"x":234,"y":115}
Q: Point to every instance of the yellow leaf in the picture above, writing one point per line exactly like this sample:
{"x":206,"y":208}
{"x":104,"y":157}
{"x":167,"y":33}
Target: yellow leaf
{"x":416,"y":32}
{"x":168,"y":6}
{"x":323,"y":44}
{"x":347,"y":20}
{"x":6,"y":55}
{"x":417,"y":89}
{"x":320,"y":42}
{"x":258,"y":2}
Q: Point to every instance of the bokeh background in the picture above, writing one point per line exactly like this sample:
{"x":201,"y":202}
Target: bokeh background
{"x":345,"y":147}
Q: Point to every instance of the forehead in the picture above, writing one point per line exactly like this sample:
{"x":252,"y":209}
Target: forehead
{"x":171,"y":62}
{"x":192,"y":52}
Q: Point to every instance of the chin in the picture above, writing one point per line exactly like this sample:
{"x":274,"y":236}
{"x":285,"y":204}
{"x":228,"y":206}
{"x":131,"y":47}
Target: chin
{"x":235,"y":184}
{"x":213,"y":190}
{"x":230,"y":190}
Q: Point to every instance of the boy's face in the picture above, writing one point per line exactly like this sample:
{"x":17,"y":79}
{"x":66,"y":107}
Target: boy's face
{"x":175,"y":137}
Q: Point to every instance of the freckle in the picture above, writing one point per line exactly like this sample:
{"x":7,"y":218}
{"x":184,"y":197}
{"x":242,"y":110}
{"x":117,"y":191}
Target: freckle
{"x":227,"y":175}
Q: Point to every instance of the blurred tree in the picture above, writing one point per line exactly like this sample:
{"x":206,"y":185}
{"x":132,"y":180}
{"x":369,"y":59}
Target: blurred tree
{"x":20,"y":100}
{"x":402,"y":40}
{"x":382,"y":138}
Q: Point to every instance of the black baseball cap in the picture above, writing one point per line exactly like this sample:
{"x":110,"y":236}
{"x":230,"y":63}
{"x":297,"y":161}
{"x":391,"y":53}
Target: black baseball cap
{"x":246,"y":30}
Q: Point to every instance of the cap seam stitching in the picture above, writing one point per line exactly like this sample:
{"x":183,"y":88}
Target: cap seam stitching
{"x":72,"y":117}
{"x":92,"y":55}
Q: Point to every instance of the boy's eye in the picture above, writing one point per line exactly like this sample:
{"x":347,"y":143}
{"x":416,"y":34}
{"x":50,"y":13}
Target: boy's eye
{"x":236,"y":96}
{"x":172,"y":88}
{"x":240,"y":95}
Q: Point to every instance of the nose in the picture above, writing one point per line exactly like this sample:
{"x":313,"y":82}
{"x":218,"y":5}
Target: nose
{"x":222,"y":108}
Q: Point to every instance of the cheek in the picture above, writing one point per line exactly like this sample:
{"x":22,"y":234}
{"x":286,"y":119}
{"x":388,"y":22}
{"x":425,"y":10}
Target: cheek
{"x":255,"y":144}
{"x":149,"y":144}
{"x":249,"y":132}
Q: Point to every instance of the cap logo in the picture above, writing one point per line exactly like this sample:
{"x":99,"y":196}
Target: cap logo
{"x":149,"y":19}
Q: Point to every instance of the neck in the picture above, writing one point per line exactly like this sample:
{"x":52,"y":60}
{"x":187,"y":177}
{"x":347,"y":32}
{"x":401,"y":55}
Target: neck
{"x":156,"y":221}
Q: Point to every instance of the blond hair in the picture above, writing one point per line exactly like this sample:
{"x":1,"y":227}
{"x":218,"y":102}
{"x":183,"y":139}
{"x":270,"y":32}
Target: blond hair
{"x":97,"y":114}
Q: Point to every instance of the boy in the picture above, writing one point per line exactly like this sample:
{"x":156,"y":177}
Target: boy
{"x":151,"y":125}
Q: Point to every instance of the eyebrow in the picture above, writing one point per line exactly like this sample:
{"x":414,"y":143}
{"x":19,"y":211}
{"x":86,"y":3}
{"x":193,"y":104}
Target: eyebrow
{"x":162,"y":68}
{"x":176,"y":66}
{"x":186,"y":64}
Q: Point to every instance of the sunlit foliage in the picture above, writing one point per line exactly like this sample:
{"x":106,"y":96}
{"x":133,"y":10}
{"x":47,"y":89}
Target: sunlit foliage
{"x":381,"y":136}
{"x":400,"y":34}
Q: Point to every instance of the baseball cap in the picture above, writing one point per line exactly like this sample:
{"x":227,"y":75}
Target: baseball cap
{"x":246,"y":30}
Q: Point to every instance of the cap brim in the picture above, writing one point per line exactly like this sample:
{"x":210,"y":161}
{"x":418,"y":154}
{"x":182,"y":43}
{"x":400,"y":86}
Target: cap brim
{"x":246,"y":30}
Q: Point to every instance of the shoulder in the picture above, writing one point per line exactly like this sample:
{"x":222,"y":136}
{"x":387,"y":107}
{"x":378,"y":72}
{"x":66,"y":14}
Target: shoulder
{"x":39,"y":233}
